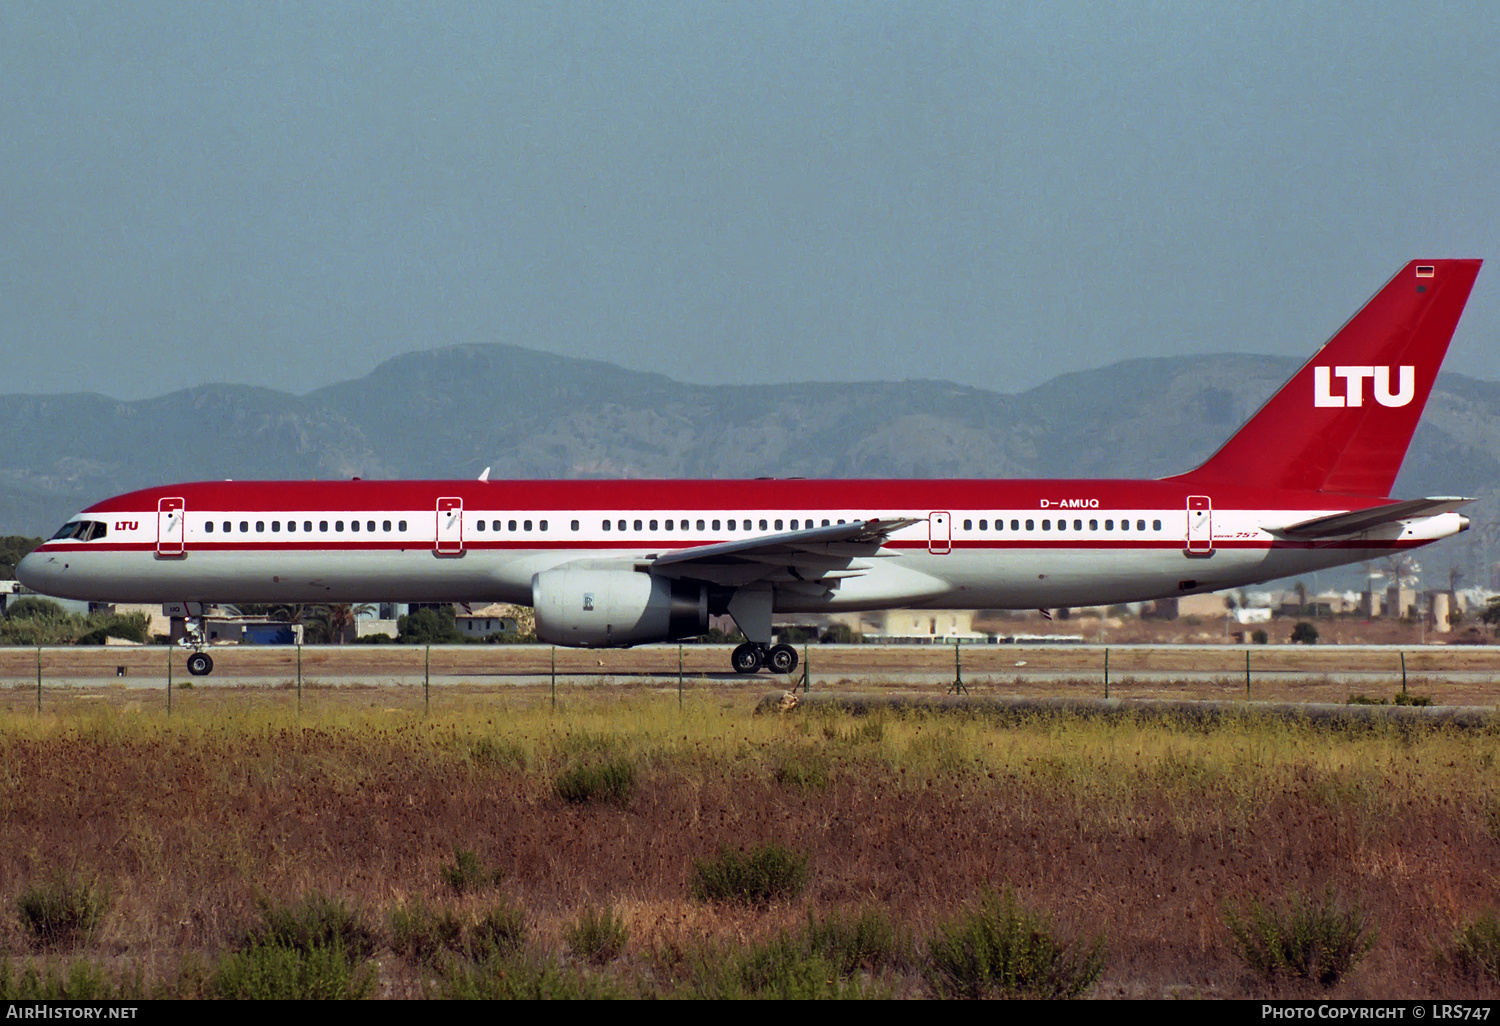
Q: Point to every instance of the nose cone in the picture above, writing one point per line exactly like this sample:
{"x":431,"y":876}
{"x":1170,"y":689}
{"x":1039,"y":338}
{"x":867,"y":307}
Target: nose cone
{"x":41,"y":572}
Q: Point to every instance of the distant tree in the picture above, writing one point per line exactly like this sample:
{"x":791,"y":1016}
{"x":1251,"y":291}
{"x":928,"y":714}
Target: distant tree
{"x":429,"y":626}
{"x":12,"y":548}
{"x":1260,"y":638}
{"x":839,"y":634}
{"x":1304,"y":634}
{"x":1491,"y":614}
{"x":33,"y":608}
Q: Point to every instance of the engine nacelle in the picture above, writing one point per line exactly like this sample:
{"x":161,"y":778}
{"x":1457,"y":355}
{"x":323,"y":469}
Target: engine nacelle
{"x":591,"y":608}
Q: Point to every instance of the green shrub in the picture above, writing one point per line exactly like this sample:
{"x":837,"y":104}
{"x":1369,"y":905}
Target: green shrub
{"x":518,"y":979}
{"x":1404,"y":698}
{"x":489,"y":752}
{"x":611,"y":781}
{"x":271,"y":971}
{"x":417,"y":932}
{"x":80,"y":981}
{"x":466,"y":873}
{"x":1001,"y":949}
{"x":598,"y":935}
{"x":1313,"y":940}
{"x":1364,"y":699}
{"x":868,"y":940}
{"x":1476,"y":947}
{"x":1304,"y":634}
{"x":315,"y":923}
{"x":62,"y":912}
{"x":499,"y":933}
{"x":803,"y":771}
{"x":760,"y":875}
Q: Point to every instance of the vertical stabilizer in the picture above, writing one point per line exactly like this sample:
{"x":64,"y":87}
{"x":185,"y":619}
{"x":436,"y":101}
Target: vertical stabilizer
{"x":1344,"y":421}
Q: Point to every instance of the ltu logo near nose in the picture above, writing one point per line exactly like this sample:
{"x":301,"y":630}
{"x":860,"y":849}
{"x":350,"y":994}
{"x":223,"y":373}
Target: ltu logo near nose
{"x":1354,"y":386}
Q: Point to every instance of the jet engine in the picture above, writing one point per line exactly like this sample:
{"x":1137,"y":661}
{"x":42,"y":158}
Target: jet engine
{"x":607,"y":608}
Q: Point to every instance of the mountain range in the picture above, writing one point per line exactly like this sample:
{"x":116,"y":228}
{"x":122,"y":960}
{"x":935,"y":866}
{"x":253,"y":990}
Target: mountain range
{"x":451,"y":412}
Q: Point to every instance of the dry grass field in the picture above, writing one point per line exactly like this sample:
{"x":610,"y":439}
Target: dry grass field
{"x":498,"y":846}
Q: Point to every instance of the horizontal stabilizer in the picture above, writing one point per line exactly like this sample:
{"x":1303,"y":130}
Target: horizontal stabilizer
{"x":1364,"y":519}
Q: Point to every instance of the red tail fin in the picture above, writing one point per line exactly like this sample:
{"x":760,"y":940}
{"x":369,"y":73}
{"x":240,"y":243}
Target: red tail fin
{"x":1343,"y":422}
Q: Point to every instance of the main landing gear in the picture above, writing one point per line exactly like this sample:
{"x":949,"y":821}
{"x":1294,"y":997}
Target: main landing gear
{"x":750,"y":657}
{"x":200,"y":663}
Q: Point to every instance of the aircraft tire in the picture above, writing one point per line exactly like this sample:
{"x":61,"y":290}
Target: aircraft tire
{"x":783,"y":659}
{"x":200,"y":664}
{"x":747,"y":658}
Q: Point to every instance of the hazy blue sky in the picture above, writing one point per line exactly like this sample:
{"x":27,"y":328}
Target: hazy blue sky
{"x":287,"y":194}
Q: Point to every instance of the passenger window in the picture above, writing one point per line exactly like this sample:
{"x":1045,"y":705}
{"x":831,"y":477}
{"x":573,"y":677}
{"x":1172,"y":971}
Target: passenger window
{"x":1124,"y":525}
{"x":369,"y":525}
{"x":276,"y":526}
{"x":1156,"y":525}
{"x":984,"y":525}
{"x":575,"y":525}
{"x":228,"y":526}
{"x":209,"y":527}
{"x":260,"y":527}
{"x":1031,"y":525}
{"x":354,"y":525}
{"x":637,"y":525}
{"x":794,"y":525}
{"x":969,"y":525}
{"x":701,"y":526}
{"x":322,"y":525}
{"x":526,"y":525}
{"x":479,"y":525}
{"x":244,"y":527}
{"x":605,"y":525}
{"x":338,"y":525}
{"x":778,"y":525}
{"x":669,"y":525}
{"x":1140,"y":525}
{"x":1078,"y":525}
{"x":731,"y":525}
{"x":401,"y":525}
{"x":1093,"y":525}
{"x":622,"y":525}
{"x":291,"y":526}
{"x":825,"y":523}
{"x":1109,"y":525}
{"x":763,"y":526}
{"x":385,"y":525}
{"x":542,"y":524}
{"x":716,"y":525}
{"x":653,"y":525}
{"x":1062,"y":525}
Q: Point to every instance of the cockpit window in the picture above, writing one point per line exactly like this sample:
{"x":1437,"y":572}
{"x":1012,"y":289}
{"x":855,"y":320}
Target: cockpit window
{"x":83,"y":530}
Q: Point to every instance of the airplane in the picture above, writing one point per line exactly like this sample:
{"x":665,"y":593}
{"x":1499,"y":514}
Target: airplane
{"x":1302,"y":486}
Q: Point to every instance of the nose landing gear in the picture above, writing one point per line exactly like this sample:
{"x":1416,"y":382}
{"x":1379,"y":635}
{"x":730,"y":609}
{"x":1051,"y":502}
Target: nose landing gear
{"x":750,"y":657}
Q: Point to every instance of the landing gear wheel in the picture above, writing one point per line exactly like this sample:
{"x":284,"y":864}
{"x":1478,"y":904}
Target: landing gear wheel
{"x":783,"y":659}
{"x":200,"y":664}
{"x":747,"y":658}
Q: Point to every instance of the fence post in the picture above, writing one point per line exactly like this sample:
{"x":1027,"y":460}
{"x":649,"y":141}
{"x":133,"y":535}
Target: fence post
{"x":679,"y":675}
{"x":1106,"y":673}
{"x":1247,"y":673}
{"x":806,"y":670}
{"x":427,"y":681}
{"x":1403,"y":673}
{"x":169,"y":680}
{"x":554,"y":678}
{"x":957,"y":687}
{"x":299,"y":678}
{"x":39,"y":677}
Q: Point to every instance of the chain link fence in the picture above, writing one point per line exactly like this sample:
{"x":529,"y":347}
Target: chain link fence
{"x":416,"y":677}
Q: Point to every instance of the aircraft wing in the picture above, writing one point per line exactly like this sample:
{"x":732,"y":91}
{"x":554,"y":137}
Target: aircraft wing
{"x":814,"y":558}
{"x":1364,"y":519}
